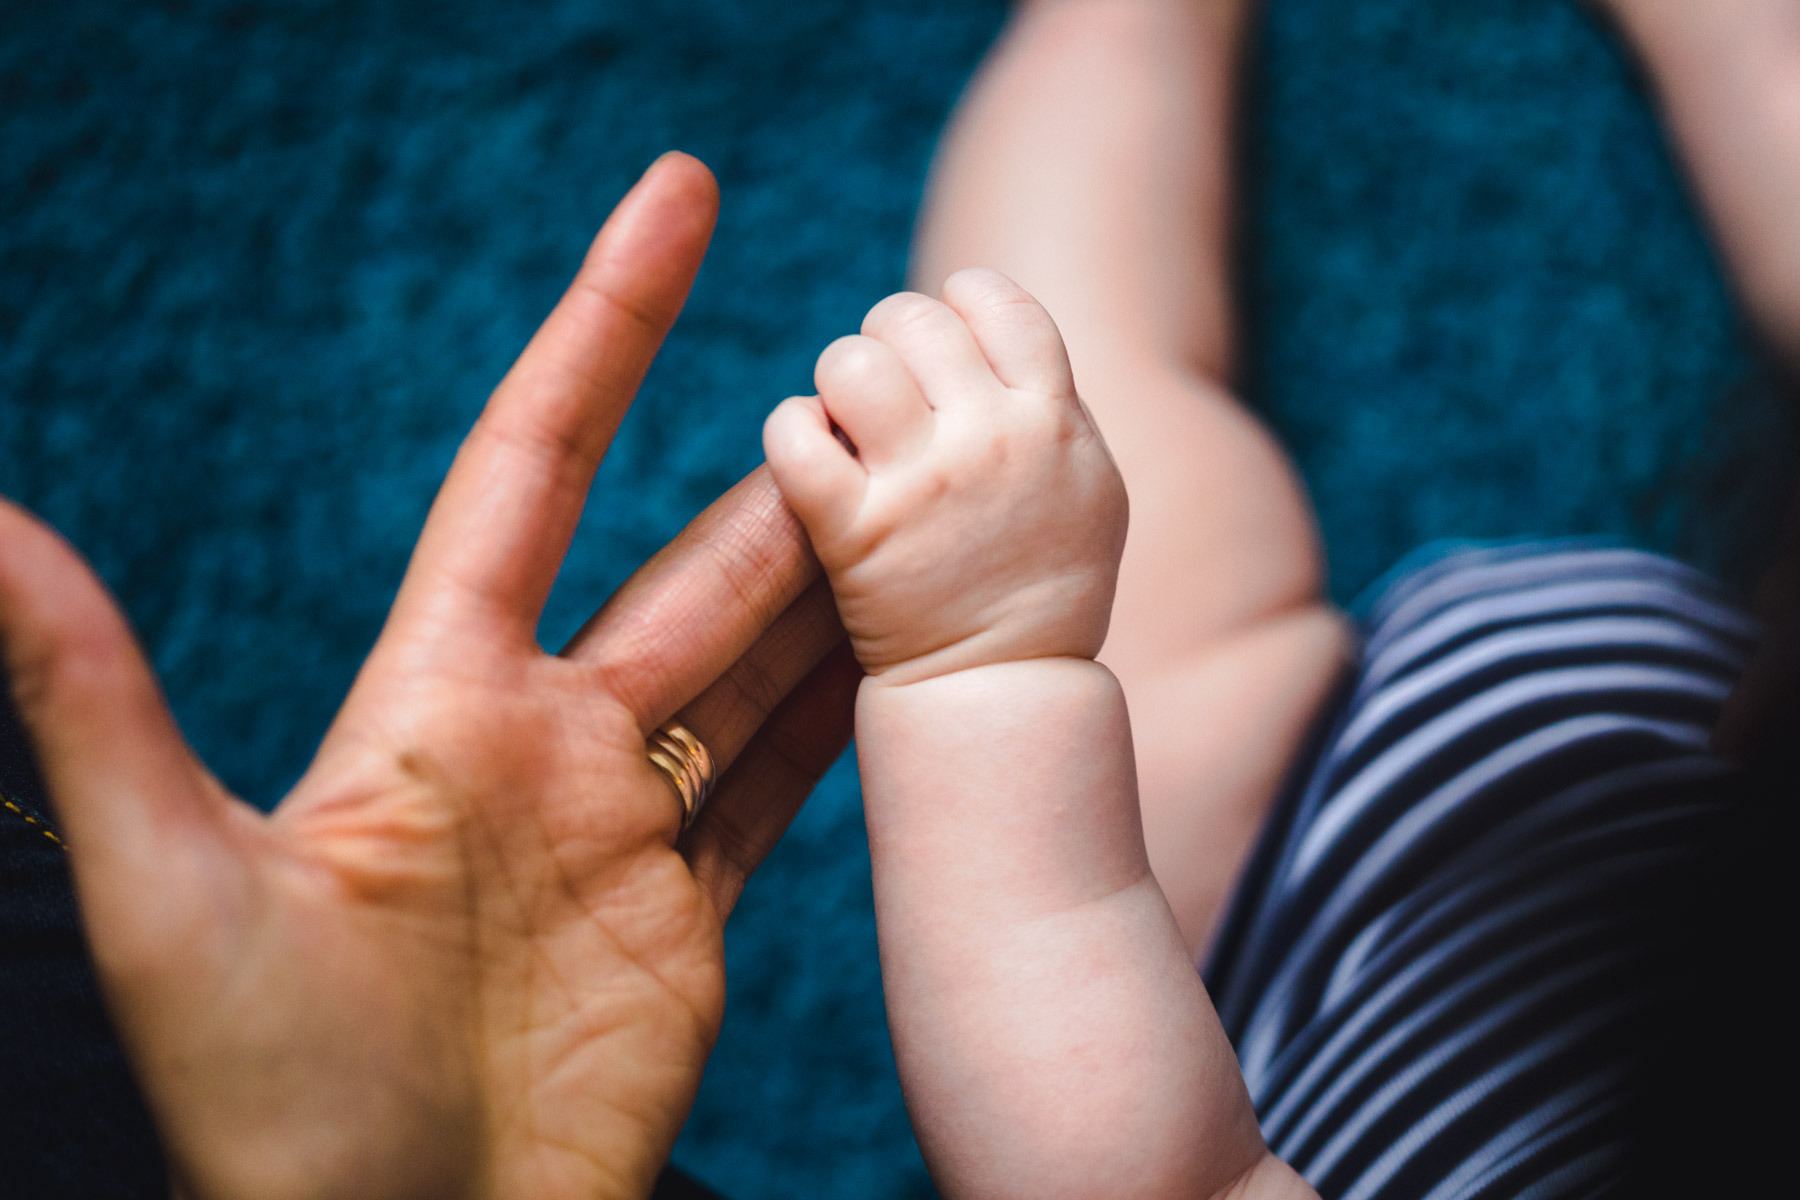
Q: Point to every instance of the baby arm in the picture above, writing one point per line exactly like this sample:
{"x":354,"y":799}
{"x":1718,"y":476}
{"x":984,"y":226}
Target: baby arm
{"x":1052,"y":1035}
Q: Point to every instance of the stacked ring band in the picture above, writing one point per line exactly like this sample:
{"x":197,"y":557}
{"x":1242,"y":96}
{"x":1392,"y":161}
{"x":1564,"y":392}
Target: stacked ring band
{"x":685,"y":763}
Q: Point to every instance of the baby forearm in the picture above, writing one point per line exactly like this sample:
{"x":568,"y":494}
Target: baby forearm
{"x":1052,"y":1035}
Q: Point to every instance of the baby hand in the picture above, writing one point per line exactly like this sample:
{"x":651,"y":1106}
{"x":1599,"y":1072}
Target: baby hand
{"x":979,"y":518}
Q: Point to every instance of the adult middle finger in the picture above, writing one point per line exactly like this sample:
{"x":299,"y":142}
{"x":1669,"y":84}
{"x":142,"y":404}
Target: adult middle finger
{"x":688,"y":615}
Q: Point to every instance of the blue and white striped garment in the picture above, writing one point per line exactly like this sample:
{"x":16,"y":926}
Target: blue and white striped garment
{"x":1435,"y":959}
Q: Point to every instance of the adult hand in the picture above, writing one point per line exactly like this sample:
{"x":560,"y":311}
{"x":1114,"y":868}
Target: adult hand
{"x":469,"y":954}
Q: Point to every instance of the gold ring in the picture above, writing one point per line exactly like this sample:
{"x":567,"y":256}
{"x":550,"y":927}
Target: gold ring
{"x":685,"y":763}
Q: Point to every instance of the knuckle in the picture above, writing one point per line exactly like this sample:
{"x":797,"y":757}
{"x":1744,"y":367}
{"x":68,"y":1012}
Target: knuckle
{"x":979,"y":283}
{"x":804,"y":758}
{"x":596,"y":286}
{"x":847,"y":362}
{"x":737,"y":848}
{"x":540,"y":445}
{"x":31,"y":672}
{"x":1043,"y":425}
{"x":898,"y":313}
{"x":756,"y":684}
{"x":1013,"y":307}
{"x":940,"y":479}
{"x":751,"y":576}
{"x":995,"y":295}
{"x":69,"y":662}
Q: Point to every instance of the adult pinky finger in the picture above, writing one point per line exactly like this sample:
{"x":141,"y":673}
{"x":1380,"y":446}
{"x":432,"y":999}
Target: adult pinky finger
{"x":759,"y":795}
{"x":818,"y":476}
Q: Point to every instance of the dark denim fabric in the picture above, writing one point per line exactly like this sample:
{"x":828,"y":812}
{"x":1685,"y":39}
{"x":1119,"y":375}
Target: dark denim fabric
{"x":72,"y":1122}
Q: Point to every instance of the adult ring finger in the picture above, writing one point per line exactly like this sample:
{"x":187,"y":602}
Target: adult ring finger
{"x":685,"y":763}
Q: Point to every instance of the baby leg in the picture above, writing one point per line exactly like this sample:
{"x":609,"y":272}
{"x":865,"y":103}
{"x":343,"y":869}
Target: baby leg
{"x":1728,"y":74}
{"x":1090,"y":162}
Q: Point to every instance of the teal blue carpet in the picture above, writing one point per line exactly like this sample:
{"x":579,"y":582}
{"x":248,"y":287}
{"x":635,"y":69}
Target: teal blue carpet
{"x":260,"y":264}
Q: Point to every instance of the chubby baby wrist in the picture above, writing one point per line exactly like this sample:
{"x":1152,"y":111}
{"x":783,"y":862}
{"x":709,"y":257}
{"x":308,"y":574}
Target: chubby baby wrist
{"x":944,"y":669}
{"x":1070,"y":694}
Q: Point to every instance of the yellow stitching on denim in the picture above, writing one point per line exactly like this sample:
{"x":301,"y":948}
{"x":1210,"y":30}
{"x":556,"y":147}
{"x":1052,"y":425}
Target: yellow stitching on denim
{"x":33,"y":822}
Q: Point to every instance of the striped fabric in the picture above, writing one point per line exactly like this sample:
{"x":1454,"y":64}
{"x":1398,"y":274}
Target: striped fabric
{"x":1434,"y":962}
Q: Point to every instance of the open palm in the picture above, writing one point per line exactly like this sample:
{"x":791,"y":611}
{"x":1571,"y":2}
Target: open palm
{"x":469,"y":955}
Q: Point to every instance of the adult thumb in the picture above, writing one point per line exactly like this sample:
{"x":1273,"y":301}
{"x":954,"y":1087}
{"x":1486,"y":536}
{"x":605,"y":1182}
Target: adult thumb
{"x":135,"y":807}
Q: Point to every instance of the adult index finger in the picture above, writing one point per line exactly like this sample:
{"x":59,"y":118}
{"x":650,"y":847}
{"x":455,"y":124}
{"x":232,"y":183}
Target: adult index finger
{"x":503,"y":519}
